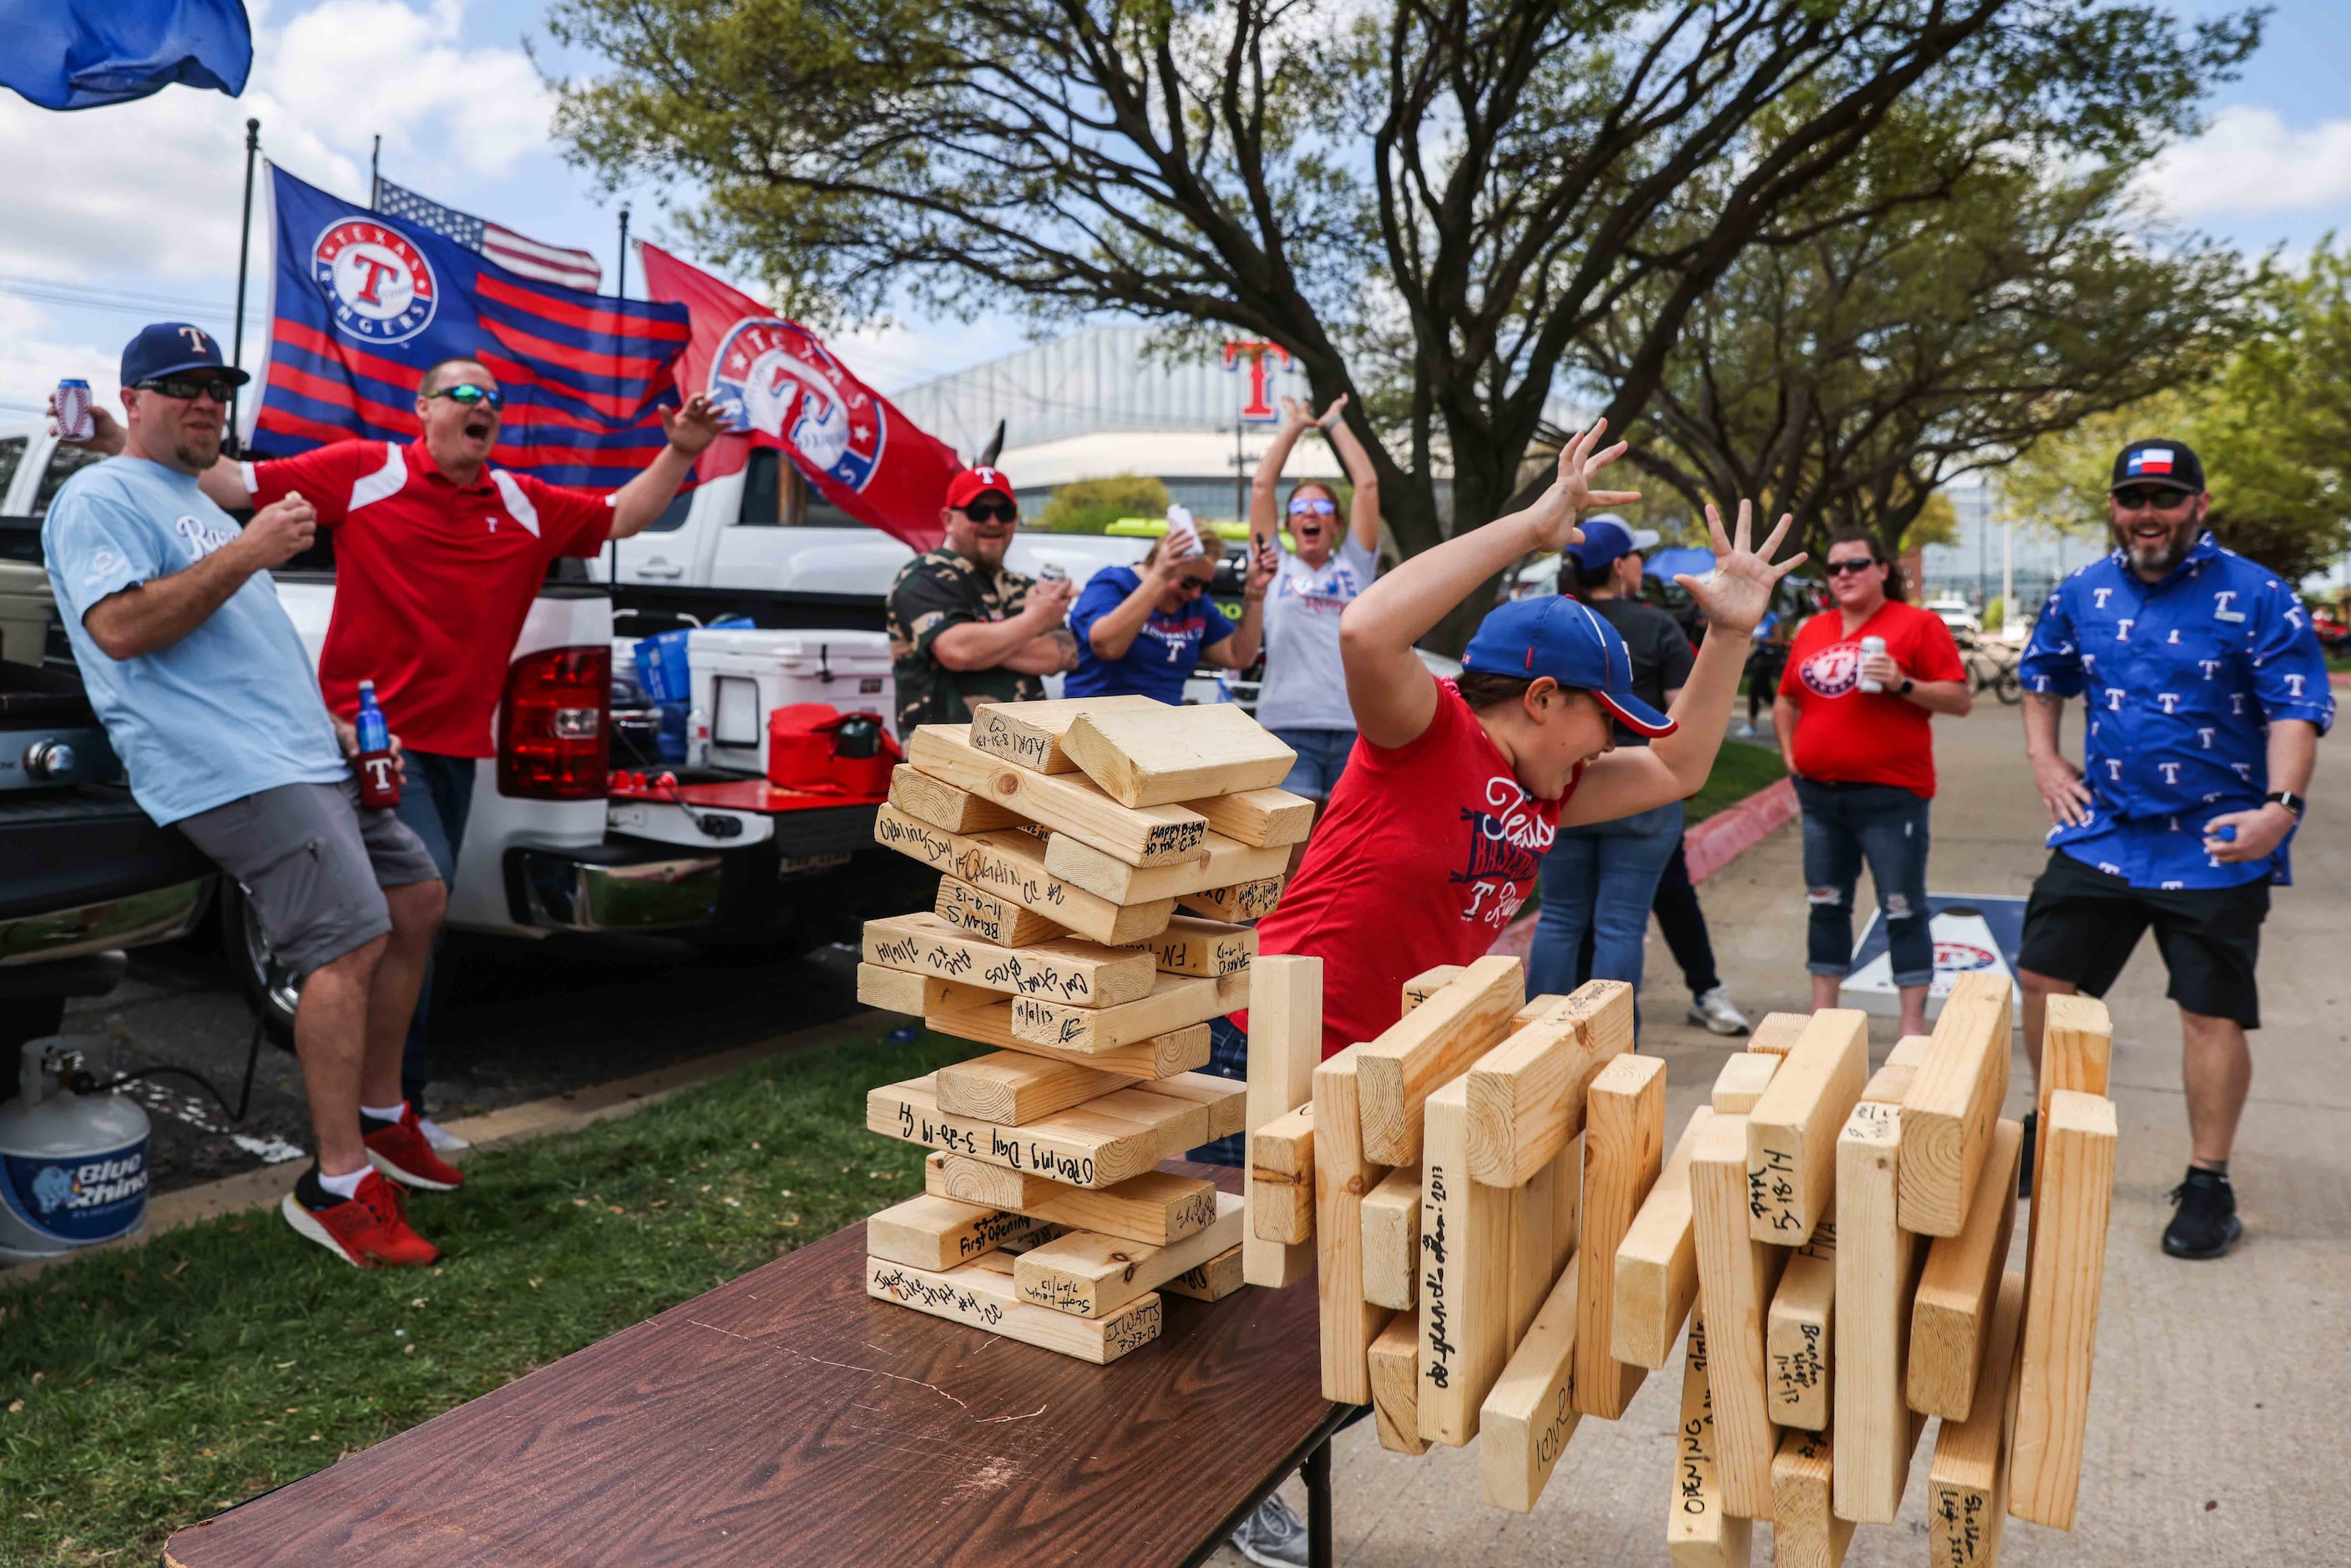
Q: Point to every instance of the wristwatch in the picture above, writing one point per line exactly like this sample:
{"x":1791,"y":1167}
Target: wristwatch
{"x":2288,"y":798}
{"x":1904,"y":688}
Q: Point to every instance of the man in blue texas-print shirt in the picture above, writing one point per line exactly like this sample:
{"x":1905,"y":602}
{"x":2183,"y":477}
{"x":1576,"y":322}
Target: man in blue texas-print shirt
{"x":2204,"y":693}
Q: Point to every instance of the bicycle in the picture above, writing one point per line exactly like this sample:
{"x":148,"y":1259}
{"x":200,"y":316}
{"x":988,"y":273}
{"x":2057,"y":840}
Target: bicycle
{"x":1992,"y":667}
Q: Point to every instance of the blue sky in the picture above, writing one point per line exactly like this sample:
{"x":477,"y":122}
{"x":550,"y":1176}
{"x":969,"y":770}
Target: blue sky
{"x":142,"y":200}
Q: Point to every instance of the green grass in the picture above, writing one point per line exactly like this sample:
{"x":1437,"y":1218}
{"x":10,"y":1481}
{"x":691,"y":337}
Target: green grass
{"x":143,"y":1390}
{"x":1739,"y":769}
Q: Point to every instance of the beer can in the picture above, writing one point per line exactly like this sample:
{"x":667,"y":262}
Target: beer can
{"x":74,"y":423}
{"x":1053,"y":571}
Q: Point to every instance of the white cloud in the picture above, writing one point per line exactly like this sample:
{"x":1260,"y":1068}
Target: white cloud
{"x":2250,"y":163}
{"x":35,"y":354}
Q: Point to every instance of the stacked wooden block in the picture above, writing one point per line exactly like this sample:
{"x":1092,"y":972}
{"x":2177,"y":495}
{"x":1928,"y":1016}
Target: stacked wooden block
{"x":1506,"y":1247}
{"x":1095,"y":857}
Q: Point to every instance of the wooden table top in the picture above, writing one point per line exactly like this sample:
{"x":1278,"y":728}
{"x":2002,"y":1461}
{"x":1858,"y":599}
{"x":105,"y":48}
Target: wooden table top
{"x":786,"y":1417}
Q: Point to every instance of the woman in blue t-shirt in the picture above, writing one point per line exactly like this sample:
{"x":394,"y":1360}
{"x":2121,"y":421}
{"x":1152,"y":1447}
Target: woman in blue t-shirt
{"x":1143,"y":630}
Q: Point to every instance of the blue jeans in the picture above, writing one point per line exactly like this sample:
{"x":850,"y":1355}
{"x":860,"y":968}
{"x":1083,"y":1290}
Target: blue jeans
{"x":1322,"y":758}
{"x":1600,"y":879}
{"x":1845,"y":824}
{"x":433,"y":803}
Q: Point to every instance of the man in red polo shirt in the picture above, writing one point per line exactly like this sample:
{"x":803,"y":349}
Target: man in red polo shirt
{"x":438,"y":557}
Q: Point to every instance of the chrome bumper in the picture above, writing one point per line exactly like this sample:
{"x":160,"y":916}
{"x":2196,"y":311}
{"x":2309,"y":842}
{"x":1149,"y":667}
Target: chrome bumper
{"x":566,"y":890}
{"x":157,"y":915}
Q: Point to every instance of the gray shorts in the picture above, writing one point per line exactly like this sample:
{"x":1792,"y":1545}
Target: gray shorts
{"x":315,"y":864}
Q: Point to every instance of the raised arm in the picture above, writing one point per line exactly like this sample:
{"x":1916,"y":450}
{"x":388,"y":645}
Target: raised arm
{"x":638,"y":503}
{"x":1364,"y":510}
{"x":1389,"y":688}
{"x":1238,"y":649}
{"x":1265,"y":523}
{"x":223,"y":482}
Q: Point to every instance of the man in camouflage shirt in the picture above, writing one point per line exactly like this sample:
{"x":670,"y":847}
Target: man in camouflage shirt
{"x":963,"y":628}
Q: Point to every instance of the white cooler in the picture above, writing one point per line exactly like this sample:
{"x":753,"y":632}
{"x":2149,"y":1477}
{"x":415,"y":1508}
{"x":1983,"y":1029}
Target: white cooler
{"x":740,"y":677}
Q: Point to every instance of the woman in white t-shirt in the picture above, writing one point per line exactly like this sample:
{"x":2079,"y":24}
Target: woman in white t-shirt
{"x":1303,"y":699}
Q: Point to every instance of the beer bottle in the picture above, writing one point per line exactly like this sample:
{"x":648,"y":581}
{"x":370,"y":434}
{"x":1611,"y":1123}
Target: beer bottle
{"x":379,"y":780}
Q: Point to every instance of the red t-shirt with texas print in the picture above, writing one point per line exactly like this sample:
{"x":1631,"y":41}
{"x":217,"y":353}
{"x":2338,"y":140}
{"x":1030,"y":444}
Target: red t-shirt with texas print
{"x":1424,"y":854}
{"x":1847,"y":735}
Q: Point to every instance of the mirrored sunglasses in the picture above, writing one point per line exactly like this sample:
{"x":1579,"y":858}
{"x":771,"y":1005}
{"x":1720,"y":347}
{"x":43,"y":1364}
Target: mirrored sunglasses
{"x":1319,"y":505}
{"x":466,"y":396}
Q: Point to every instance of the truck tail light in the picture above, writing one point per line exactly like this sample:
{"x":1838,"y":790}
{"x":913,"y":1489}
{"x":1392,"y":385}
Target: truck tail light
{"x":554,"y":730}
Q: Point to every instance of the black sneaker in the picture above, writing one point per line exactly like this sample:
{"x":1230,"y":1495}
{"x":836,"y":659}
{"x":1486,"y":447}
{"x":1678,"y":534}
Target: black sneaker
{"x":2207,"y":1221}
{"x":2024,"y":1155}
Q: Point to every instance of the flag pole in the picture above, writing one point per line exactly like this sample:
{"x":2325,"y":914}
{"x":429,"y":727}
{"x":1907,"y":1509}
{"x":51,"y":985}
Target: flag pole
{"x":623,"y":289}
{"x":244,"y":256}
{"x":375,"y":174}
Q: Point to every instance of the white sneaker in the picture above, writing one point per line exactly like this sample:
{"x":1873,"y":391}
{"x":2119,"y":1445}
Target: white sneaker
{"x":1746,"y":731}
{"x":1272,"y":1537}
{"x":1715,"y":1010}
{"x":442,"y":1140}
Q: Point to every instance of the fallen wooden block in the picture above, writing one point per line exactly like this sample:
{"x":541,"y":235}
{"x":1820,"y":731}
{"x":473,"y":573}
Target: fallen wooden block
{"x":1394,"y":1359}
{"x":1792,"y":1132}
{"x":1213,"y":1280}
{"x":1952,"y":1311}
{"x":1149,"y":759}
{"x":1191,"y":946}
{"x":1656,"y":1263}
{"x":1465,"y":1245}
{"x":1068,"y":805}
{"x":1948,"y":1115}
{"x":1285,"y":1043}
{"x":1527,"y":1095}
{"x":1082,"y":974}
{"x":1797,"y":1339}
{"x":1737,"y":1275}
{"x":1030,"y":733}
{"x":1008,"y":1087}
{"x":1745,"y":1074}
{"x":1805,"y":1532}
{"x":1699,"y":1533}
{"x":1427,"y":983}
{"x":898,"y":991}
{"x":1089,"y":1275}
{"x":1177,"y":1001}
{"x":1878,"y":1264}
{"x":1342,"y":1176}
{"x":1265,"y":818}
{"x":995,"y":920}
{"x":2077,"y":1050}
{"x":1161,"y":1056}
{"x":1241,"y":901}
{"x":941,"y":1233}
{"x":1431,"y":1045}
{"x":943,"y":805}
{"x":2061,"y":1308}
{"x":1083,"y":1146}
{"x":1217,"y":861}
{"x":1282,"y":1177}
{"x":1967,"y":1482}
{"x":981,"y":1294}
{"x":1154,"y":1209}
{"x":1777,"y":1033}
{"x":1531,"y":1410}
{"x":1623,"y":1141}
{"x":1012,"y":865}
{"x":1392,"y":1241}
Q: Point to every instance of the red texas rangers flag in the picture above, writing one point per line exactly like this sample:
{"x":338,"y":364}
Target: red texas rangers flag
{"x":782,"y":388}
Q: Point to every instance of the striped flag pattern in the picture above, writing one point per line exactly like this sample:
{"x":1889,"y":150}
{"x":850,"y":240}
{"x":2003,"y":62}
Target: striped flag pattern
{"x":547,"y":263}
{"x":363,"y":306}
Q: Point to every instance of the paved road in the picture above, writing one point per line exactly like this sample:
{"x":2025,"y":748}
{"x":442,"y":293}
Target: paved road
{"x":2217,"y":1433}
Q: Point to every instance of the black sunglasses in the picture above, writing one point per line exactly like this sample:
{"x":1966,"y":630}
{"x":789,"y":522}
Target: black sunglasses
{"x":220,"y":389}
{"x":465,"y":395}
{"x":2155,"y":496}
{"x":992,"y":511}
{"x":1841,"y":568}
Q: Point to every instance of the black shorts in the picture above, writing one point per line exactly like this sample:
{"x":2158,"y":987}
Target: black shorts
{"x":2082,"y":924}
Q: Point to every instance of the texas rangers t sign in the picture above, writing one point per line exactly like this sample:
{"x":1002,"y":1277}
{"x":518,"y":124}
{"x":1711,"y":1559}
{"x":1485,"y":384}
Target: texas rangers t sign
{"x":379,"y":285}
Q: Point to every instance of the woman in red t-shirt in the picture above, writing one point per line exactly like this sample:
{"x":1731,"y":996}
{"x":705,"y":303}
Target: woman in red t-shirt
{"x":1864,"y":763}
{"x":1432,"y":837}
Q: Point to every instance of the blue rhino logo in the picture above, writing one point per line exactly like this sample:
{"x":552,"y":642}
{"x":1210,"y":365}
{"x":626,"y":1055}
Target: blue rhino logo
{"x":52,"y":1189}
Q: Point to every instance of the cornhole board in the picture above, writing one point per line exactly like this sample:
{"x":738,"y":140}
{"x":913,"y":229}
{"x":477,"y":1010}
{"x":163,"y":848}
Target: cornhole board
{"x":1971,"y":932}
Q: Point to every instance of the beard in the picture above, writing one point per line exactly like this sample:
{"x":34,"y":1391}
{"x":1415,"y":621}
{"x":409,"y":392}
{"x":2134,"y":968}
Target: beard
{"x":2160,"y":555}
{"x":197,"y":450}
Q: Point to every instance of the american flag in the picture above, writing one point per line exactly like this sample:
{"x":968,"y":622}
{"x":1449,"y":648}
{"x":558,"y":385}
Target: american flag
{"x":547,"y":263}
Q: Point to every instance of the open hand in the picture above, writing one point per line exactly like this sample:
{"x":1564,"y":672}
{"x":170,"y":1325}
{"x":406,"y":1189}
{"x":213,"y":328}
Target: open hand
{"x":693,"y":428}
{"x":1552,"y":518}
{"x":2063,"y":792}
{"x":1735,"y":595}
{"x":1296,"y":415}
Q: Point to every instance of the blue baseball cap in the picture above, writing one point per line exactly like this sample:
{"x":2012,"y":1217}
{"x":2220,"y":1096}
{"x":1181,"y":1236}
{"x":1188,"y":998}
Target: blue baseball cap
{"x":175,"y":348}
{"x":1607,"y":539}
{"x":1561,"y":638}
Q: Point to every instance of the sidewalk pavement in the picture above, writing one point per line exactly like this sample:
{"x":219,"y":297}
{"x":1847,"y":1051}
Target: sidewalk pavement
{"x":2220,"y":1388}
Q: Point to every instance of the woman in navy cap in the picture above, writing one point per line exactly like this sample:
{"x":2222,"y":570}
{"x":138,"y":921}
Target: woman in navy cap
{"x":1457,"y":788}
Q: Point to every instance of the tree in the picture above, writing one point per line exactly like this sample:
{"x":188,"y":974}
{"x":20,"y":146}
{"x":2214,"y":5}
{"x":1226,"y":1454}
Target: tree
{"x":1090,"y":505}
{"x":2272,"y":431}
{"x":1425,"y":201}
{"x":1845,"y":375}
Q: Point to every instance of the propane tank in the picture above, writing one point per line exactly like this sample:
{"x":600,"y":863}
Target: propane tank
{"x":73,"y":1167}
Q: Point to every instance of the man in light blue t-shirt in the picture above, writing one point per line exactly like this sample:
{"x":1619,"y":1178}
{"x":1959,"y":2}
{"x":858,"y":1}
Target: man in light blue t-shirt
{"x":209,"y":701}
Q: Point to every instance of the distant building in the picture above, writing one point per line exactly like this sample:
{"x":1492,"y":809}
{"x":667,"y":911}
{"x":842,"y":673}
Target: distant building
{"x":1972,"y":567}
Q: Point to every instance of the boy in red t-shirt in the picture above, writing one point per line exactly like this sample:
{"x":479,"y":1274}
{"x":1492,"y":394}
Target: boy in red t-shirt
{"x":1863,"y":764}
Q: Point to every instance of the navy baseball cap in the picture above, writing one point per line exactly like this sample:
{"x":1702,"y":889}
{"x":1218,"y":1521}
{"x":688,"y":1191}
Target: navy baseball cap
{"x":175,"y":348}
{"x":1561,"y":638}
{"x":2158,"y":461}
{"x":1608,"y":540}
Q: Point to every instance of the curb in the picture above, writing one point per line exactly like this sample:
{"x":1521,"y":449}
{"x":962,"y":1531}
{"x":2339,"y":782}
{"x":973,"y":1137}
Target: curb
{"x":565,"y":1113}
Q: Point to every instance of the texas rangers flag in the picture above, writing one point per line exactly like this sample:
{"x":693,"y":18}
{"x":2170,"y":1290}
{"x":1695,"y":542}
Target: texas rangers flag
{"x":2148,"y":460}
{"x":782,"y":388}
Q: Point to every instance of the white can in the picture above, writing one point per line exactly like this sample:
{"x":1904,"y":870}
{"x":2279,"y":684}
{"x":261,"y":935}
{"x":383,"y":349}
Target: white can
{"x":1872,"y":646}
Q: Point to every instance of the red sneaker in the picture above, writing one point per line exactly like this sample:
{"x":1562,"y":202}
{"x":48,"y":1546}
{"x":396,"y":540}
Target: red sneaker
{"x":363,"y":1232}
{"x":400,"y":1151}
